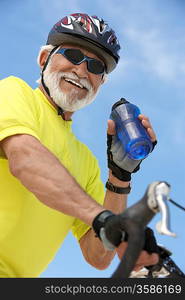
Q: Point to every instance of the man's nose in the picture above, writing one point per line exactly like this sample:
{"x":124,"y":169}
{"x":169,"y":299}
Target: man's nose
{"x":81,"y":70}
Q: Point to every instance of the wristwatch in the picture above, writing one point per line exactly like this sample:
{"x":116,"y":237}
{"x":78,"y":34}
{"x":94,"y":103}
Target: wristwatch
{"x":118,"y":189}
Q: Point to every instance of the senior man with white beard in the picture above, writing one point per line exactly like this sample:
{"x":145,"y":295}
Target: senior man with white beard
{"x":50,"y":181}
{"x":70,"y":87}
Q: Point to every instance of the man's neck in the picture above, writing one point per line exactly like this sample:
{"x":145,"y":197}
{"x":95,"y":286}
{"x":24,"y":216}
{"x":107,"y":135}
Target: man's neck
{"x":66,"y":115}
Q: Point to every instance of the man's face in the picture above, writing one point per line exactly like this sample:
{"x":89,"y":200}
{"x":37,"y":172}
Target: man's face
{"x":71,"y":86}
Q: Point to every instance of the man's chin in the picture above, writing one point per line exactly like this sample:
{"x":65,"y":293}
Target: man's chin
{"x":73,"y":106}
{"x":66,"y":106}
{"x":71,"y":101}
{"x":74,"y":93}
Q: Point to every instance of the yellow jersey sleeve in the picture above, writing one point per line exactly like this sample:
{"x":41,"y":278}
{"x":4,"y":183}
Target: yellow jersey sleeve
{"x":18,"y":110}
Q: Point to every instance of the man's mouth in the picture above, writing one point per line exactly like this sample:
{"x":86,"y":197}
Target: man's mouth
{"x":73,"y":82}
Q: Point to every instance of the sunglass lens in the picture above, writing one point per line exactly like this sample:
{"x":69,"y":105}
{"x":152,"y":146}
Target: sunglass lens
{"x":74,"y":55}
{"x":96,"y":66}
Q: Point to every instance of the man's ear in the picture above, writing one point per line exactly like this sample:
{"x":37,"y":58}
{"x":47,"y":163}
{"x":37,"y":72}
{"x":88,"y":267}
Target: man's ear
{"x":43,"y":57}
{"x":104,"y":78}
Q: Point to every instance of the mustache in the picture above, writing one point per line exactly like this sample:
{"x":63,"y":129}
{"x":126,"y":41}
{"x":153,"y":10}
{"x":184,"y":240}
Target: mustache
{"x":84,"y":82}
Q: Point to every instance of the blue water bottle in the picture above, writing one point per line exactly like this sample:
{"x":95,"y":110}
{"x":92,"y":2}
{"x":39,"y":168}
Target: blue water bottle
{"x":132,"y":134}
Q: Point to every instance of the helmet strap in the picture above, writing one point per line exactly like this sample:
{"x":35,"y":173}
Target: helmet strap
{"x":60,"y":110}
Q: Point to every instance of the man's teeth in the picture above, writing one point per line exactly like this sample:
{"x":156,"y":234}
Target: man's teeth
{"x":74,"y":82}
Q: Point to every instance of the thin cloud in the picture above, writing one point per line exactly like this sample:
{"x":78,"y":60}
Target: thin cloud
{"x":59,"y":8}
{"x":155,"y":54}
{"x":156,"y":46}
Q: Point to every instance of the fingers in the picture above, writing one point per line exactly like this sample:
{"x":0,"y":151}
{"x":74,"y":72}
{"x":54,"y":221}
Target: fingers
{"x":144,"y":259}
{"x":111,"y":128}
{"x":146,"y":123}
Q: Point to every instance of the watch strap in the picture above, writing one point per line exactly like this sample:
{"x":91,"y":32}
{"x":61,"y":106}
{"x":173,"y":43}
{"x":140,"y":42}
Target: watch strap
{"x":117,"y":189}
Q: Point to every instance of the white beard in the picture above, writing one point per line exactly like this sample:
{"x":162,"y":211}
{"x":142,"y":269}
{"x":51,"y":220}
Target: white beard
{"x":68,"y":102}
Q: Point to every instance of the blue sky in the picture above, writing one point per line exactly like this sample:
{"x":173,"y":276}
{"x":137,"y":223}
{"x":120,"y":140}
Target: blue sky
{"x":151,"y":74}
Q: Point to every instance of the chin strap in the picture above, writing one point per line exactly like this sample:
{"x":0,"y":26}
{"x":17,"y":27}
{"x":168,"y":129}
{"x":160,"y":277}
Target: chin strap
{"x":44,"y":68}
{"x":60,"y":110}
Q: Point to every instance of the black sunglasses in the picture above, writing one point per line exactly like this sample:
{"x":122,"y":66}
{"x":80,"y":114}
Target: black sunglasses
{"x":75,"y":56}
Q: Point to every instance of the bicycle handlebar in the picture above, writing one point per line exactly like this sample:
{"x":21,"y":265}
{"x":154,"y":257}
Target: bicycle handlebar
{"x":136,"y":217}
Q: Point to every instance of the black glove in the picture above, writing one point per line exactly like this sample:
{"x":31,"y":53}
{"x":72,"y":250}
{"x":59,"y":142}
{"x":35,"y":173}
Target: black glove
{"x":116,"y":162}
{"x":116,"y":155}
{"x":110,"y":229}
{"x":122,"y":167}
{"x":100,"y":223}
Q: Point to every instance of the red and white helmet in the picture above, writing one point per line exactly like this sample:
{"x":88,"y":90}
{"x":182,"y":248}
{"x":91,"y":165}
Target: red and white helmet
{"x":90,"y":32}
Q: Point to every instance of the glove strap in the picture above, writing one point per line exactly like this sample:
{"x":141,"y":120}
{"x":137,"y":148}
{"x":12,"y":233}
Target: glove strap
{"x":119,"y":173}
{"x":117,"y":189}
{"x":99,"y":221}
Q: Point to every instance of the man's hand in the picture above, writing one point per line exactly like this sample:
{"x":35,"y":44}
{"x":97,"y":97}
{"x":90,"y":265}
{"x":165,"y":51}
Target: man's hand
{"x":145,"y":258}
{"x":145,"y":122}
{"x":116,"y":153}
{"x":110,"y":229}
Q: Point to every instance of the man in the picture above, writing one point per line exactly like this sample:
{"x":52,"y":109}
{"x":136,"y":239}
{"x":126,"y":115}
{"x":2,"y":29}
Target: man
{"x":50,"y":182}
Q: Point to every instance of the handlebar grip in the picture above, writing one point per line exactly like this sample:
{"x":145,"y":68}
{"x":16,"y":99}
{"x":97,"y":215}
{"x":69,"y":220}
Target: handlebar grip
{"x":133,"y":222}
{"x":135,"y":245}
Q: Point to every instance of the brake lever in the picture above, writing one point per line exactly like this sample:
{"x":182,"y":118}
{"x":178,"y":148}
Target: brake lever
{"x":157,"y":202}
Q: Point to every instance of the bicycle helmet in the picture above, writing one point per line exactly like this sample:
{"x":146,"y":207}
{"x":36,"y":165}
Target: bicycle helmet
{"x":90,"y":32}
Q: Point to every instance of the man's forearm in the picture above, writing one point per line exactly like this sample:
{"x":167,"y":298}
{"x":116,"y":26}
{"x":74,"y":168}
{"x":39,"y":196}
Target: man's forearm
{"x":113,"y":201}
{"x":43,"y":174}
{"x":91,"y":246}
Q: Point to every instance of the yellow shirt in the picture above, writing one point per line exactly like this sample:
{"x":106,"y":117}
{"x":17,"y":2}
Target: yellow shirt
{"x":30,"y":232}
